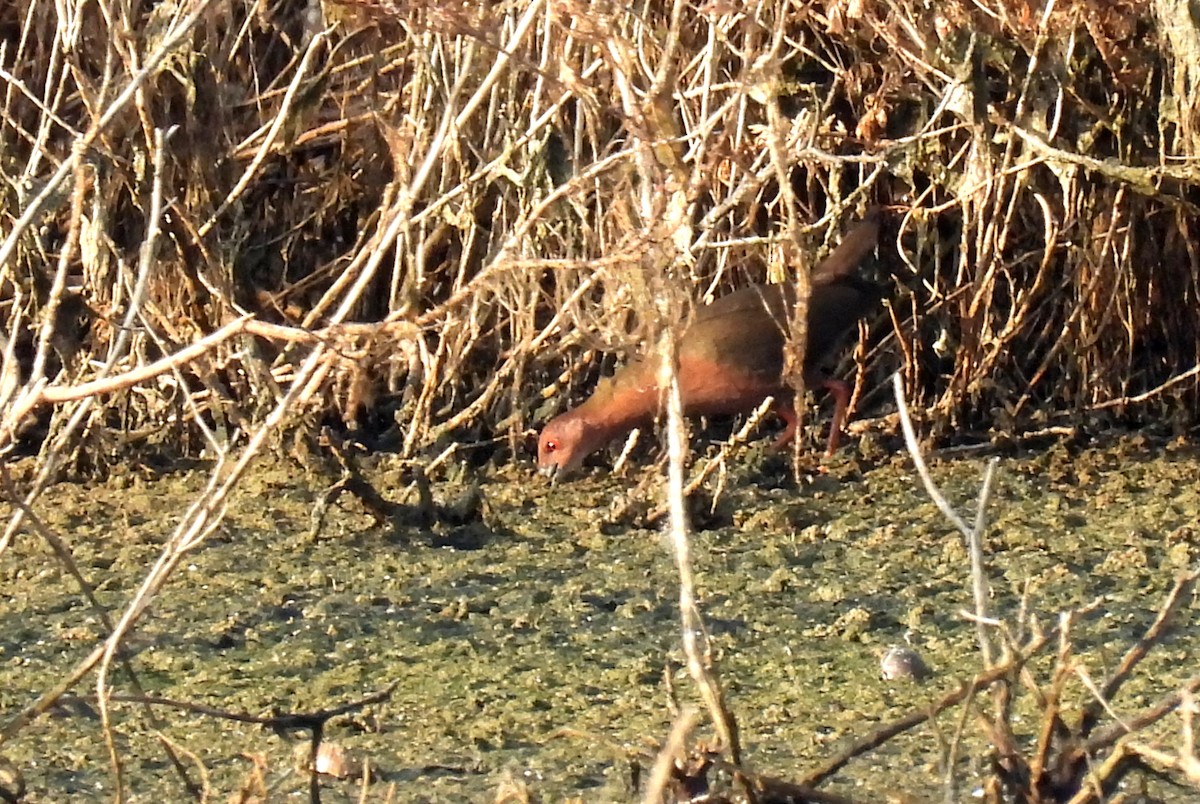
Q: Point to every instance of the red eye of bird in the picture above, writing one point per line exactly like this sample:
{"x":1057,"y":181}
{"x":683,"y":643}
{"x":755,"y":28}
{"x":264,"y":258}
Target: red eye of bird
{"x":551,"y":446}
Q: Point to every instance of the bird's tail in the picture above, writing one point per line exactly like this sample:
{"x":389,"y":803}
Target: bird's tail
{"x":858,"y":243}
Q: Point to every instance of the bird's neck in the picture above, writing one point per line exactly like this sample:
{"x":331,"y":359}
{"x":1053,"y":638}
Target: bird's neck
{"x":618,"y":405}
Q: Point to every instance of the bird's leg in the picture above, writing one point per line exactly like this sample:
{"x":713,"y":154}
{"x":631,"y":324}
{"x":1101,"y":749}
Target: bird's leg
{"x":785,"y":410}
{"x":841,"y":396}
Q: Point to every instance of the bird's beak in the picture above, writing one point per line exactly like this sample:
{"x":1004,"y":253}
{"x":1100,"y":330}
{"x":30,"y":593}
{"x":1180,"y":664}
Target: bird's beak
{"x":550,"y":471}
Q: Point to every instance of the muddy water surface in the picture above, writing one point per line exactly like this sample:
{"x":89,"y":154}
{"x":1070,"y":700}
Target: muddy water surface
{"x":530,"y":643}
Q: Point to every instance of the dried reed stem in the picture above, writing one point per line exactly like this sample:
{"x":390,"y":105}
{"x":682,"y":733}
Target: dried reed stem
{"x":973,"y":536}
{"x":694,"y":633}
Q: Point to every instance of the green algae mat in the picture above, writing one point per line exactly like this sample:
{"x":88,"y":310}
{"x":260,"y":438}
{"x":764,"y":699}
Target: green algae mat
{"x":530,"y":643}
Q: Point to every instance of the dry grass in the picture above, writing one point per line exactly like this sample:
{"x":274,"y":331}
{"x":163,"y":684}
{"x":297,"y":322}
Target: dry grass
{"x":223,"y":222}
{"x":455,"y":203}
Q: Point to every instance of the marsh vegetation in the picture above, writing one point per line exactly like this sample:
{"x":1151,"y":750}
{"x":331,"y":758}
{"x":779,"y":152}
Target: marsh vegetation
{"x":287,"y":290}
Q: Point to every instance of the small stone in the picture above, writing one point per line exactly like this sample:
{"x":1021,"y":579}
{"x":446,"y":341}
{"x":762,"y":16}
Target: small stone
{"x":900,"y":662}
{"x":332,"y":761}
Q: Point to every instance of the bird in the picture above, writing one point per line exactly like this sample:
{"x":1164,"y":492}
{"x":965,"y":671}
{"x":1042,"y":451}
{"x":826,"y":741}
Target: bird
{"x":730,"y":359}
